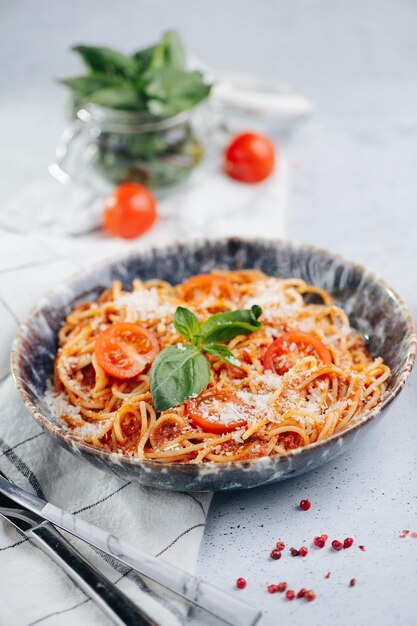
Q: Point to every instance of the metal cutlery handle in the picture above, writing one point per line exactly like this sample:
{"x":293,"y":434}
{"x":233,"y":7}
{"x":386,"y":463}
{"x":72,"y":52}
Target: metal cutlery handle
{"x":214,"y":600}
{"x":107,"y":596}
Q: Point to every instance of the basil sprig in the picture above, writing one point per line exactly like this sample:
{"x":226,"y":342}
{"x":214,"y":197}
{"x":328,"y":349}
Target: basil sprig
{"x":155,"y":79}
{"x":181,"y":371}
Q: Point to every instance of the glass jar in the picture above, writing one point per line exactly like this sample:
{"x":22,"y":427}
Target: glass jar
{"x":124,"y":146}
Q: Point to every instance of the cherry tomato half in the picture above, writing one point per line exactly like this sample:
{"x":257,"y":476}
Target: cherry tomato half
{"x":293,"y":346}
{"x":129,"y":211}
{"x":250,"y":158}
{"x":123,"y":350}
{"x":214,"y":404}
{"x":198,"y":287}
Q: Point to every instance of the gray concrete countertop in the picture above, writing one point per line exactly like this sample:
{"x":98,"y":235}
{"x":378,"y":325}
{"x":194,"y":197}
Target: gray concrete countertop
{"x":353,"y":189}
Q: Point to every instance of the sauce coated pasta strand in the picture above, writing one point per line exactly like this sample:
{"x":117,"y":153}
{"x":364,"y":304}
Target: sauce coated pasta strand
{"x":304,"y":376}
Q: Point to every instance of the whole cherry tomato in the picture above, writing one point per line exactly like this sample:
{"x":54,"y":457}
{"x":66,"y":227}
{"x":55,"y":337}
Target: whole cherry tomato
{"x":250,"y":158}
{"x":129,"y":211}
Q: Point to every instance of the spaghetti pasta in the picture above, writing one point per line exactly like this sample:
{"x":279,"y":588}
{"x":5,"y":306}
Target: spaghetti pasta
{"x":302,"y":377}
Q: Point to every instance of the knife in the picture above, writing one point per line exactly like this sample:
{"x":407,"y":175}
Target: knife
{"x":100,"y":589}
{"x":206,"y":596}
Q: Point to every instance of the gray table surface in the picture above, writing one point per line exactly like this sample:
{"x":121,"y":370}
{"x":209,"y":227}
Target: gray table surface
{"x":353,"y":189}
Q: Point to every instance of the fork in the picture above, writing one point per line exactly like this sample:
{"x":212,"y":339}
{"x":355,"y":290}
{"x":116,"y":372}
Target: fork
{"x":117,"y":606}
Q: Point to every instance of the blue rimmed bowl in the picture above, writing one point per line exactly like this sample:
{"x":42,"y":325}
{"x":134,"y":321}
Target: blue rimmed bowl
{"x":373,"y":308}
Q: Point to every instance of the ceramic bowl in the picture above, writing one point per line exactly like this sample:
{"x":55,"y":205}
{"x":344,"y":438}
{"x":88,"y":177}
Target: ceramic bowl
{"x":373,"y":308}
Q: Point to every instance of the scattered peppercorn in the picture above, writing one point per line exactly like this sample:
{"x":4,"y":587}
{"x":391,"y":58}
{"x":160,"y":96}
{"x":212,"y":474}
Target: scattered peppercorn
{"x":348,"y":542}
{"x":275,"y":554}
{"x":305,"y":505}
{"x":290,"y":595}
{"x":362,"y":548}
{"x":337,"y":545}
{"x":301,"y":593}
{"x":319,"y":542}
{"x":352,"y":582}
{"x":414,"y":535}
{"x":328,"y":575}
{"x":272,"y":588}
{"x":280,"y":545}
{"x":241,"y":583}
{"x":303,"y":551}
{"x":310,"y":595}
{"x":281,"y":587}
{"x":294,"y":552}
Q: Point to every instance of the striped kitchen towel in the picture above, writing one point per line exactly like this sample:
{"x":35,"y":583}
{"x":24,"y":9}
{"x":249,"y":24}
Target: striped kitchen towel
{"x":170,"y":525}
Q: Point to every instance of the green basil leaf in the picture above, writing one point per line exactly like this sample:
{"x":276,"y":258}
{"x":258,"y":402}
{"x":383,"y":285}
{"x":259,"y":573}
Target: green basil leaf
{"x":170,"y":90}
{"x":86,"y":85}
{"x":226,"y":326}
{"x":143,"y":58}
{"x":122,"y":98}
{"x":178,"y":373}
{"x":186,"y":323}
{"x":83,"y":87}
{"x":169,"y":52}
{"x":222,"y":351}
{"x":107,"y":61}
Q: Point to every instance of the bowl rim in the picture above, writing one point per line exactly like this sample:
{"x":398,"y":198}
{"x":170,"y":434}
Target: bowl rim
{"x":64,"y":436}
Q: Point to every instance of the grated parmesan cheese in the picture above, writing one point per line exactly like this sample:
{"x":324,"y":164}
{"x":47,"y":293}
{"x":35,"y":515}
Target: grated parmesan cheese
{"x":270,"y":295}
{"x":61,"y":408}
{"x":58,"y":403}
{"x":146,"y":305}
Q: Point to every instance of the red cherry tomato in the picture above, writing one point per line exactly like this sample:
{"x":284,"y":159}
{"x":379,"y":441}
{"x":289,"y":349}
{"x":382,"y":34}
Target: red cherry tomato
{"x":212,"y":404}
{"x":129,"y":211}
{"x":291,"y":347}
{"x":250,"y":158}
{"x":200,"y":286}
{"x":123,"y":350}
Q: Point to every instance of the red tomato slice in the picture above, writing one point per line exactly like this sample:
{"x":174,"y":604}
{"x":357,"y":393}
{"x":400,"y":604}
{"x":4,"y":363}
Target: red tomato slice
{"x":213,"y":403}
{"x":124,"y":350}
{"x":304,"y":344}
{"x":200,"y":286}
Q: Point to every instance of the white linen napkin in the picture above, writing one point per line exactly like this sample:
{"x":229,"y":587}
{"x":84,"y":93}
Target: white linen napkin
{"x":33,"y":589}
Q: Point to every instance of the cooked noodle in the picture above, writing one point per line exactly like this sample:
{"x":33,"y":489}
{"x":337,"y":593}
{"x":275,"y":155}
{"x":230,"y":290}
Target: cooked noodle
{"x":308,"y":400}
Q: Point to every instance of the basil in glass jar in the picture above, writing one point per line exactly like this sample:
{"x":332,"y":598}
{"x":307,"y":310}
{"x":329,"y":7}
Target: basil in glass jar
{"x":133,"y":116}
{"x":138,"y":147}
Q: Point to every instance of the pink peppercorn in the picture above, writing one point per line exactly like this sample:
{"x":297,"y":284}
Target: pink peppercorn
{"x":348,"y":542}
{"x":337,"y":545}
{"x":303,"y":551}
{"x":290,"y":594}
{"x":281,"y":587}
{"x":320,"y":541}
{"x":241,"y":583}
{"x":301,"y":593}
{"x":305,"y":505}
{"x":272,"y":588}
{"x":280,"y":545}
{"x":310,"y":595}
{"x":275,"y":554}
